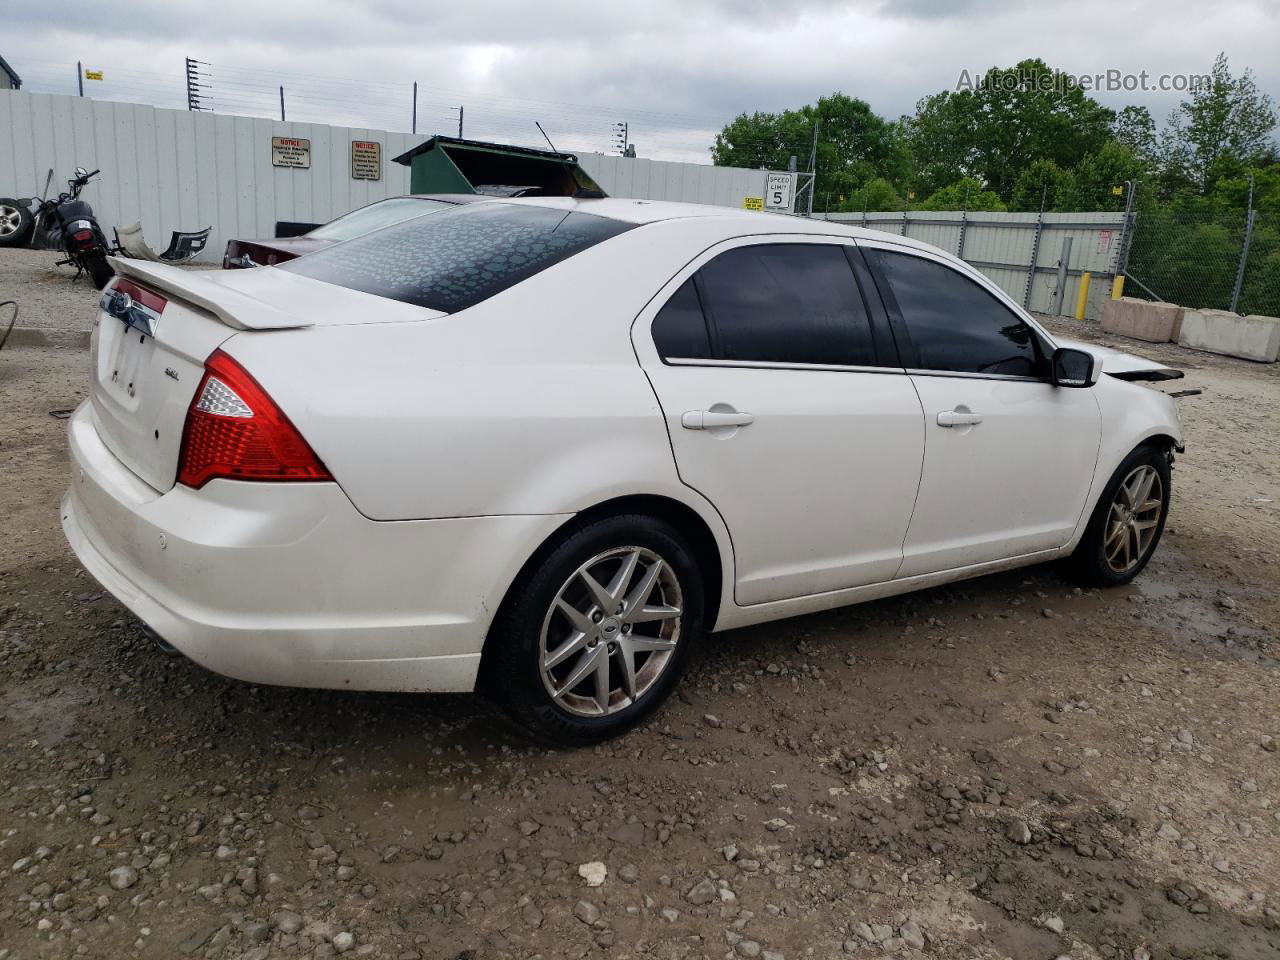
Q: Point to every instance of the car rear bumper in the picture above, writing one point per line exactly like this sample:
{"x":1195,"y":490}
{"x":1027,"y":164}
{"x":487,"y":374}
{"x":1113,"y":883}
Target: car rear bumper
{"x":286,"y":583}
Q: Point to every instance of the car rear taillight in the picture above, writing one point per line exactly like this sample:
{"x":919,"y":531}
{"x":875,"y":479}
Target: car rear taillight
{"x":235,"y":430}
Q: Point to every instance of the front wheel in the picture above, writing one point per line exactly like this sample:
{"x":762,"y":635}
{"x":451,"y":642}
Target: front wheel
{"x":95,"y":264}
{"x":596,"y":636}
{"x":1127,"y":522}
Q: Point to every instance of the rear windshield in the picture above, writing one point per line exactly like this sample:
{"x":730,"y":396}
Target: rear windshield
{"x":376,"y":216}
{"x":456,"y":258}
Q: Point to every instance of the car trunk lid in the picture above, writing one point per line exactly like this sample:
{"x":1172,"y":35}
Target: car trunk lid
{"x":158,"y":324}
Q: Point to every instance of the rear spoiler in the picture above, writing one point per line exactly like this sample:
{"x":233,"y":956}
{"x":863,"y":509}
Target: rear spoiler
{"x":208,"y":290}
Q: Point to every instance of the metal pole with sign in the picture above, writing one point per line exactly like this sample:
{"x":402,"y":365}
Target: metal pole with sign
{"x":779,"y":192}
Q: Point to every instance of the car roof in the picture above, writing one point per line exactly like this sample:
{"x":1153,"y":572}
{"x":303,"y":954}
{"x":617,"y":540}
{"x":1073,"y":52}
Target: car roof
{"x":735,"y":220}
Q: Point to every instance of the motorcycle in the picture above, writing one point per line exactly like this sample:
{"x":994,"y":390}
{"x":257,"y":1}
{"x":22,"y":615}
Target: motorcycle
{"x":64,"y":222}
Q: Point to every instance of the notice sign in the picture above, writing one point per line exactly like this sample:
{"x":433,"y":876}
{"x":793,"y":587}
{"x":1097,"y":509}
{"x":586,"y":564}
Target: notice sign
{"x":366,"y":160}
{"x":753,"y":203}
{"x":777,"y":192}
{"x":1104,"y":241}
{"x":290,"y":152}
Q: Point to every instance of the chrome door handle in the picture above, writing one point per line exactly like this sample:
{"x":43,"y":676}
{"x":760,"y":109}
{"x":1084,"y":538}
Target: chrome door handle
{"x":957,"y":418}
{"x":710,"y":419}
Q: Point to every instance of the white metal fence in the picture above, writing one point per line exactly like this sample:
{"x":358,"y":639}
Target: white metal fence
{"x":178,"y":170}
{"x":1022,"y":252}
{"x":666,"y":180}
{"x":183,"y":170}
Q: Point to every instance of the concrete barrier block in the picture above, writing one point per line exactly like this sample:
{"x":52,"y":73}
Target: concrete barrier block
{"x":1142,"y":320}
{"x":1221,"y":331}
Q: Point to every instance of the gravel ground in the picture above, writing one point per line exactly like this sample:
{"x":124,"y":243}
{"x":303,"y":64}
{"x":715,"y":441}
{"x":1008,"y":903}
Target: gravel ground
{"x":44,"y":291}
{"x":49,"y":298}
{"x":1009,"y":767}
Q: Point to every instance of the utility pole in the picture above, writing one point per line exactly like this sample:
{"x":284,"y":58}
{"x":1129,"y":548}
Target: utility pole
{"x":414,"y":124}
{"x":80,"y":76}
{"x":621,"y":137}
{"x":282,"y":104}
{"x":459,"y":109}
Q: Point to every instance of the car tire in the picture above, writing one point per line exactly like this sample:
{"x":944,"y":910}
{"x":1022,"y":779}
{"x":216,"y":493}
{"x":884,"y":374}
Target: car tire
{"x":15,"y":222}
{"x":1122,"y":535}
{"x":556,"y":625}
{"x":95,"y":264}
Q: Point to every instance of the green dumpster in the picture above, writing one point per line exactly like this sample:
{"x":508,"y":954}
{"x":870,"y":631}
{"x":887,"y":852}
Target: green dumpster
{"x":452,"y":165}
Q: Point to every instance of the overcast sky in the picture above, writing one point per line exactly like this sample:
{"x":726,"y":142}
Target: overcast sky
{"x":676,"y":71}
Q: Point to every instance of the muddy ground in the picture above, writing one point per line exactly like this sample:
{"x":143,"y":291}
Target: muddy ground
{"x":1009,"y":767}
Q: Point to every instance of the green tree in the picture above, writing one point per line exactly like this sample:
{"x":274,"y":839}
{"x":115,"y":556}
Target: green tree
{"x":1221,"y":128}
{"x":876,"y":195}
{"x":1041,"y":178}
{"x":998,"y":125}
{"x":1231,"y":194}
{"x":854,"y":145}
{"x":1134,"y":128}
{"x":1099,"y":181}
{"x":964,"y":194}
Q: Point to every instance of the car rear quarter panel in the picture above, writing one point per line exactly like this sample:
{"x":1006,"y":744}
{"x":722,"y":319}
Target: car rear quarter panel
{"x":529,"y":402}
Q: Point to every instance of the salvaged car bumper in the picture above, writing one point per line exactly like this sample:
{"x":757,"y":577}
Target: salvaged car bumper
{"x":286,"y":583}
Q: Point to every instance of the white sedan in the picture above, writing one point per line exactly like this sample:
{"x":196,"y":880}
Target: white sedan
{"x":538,"y":447}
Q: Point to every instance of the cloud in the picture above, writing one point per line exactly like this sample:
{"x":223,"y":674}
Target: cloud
{"x":676,"y":71}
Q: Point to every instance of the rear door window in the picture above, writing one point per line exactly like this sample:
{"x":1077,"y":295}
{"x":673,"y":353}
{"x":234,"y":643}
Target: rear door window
{"x":458,"y":257}
{"x":771,"y":303}
{"x":680,"y":328}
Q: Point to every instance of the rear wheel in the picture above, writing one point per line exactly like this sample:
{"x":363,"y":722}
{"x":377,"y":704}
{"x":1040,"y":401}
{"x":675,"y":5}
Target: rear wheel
{"x":15,"y":222}
{"x":95,"y":264}
{"x":1127,"y":522}
{"x":596,"y":637}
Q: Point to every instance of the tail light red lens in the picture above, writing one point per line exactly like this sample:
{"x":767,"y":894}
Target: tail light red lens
{"x":83,"y":237}
{"x":235,"y":430}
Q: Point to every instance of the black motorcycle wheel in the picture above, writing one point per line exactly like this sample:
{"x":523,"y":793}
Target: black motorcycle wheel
{"x":95,"y":264}
{"x":15,"y":222}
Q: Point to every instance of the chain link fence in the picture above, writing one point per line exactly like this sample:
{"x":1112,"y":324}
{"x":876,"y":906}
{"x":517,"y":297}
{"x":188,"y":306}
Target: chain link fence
{"x":1220,"y":261}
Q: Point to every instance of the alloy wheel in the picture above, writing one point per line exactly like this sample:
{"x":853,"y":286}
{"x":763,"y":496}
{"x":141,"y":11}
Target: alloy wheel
{"x":611,"y":631}
{"x":10,"y":220}
{"x":1133,"y":518}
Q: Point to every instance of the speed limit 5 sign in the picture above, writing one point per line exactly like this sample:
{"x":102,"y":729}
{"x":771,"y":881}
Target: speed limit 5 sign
{"x":777,"y":192}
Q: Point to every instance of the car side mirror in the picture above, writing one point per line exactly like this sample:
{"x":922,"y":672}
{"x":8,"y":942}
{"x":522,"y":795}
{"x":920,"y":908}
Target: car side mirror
{"x":1072,"y":368}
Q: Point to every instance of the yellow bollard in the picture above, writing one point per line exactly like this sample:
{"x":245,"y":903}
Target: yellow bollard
{"x":1083,"y":297}
{"x":1117,"y":287}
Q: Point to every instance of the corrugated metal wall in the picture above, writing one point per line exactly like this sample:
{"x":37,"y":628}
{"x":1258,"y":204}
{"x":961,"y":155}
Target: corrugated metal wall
{"x":178,"y":170}
{"x":1000,"y":245}
{"x":662,"y":180}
